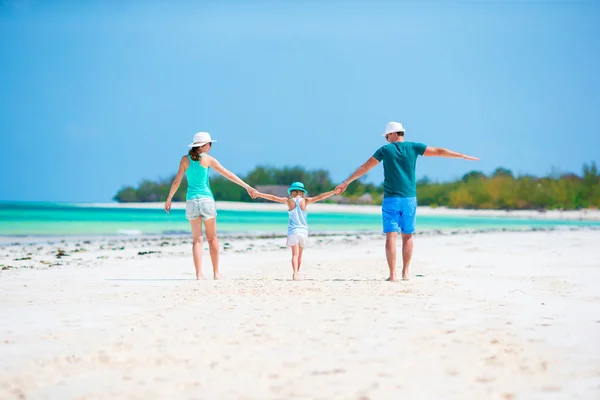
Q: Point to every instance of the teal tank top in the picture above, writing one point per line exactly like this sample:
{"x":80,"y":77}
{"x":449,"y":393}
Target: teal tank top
{"x":197,"y":179}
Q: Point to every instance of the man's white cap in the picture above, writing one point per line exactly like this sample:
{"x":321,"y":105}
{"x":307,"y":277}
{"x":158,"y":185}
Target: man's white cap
{"x":200,"y":139}
{"x":392,"y":127}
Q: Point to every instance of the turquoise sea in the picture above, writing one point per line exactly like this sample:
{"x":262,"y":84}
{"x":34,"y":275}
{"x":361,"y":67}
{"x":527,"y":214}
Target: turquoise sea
{"x":61,"y":219}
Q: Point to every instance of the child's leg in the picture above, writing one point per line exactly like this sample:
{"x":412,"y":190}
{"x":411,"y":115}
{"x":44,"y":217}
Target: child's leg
{"x":295,"y":252}
{"x":300,"y":257}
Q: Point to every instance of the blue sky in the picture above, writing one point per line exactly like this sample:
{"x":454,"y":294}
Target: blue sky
{"x":97,"y":95}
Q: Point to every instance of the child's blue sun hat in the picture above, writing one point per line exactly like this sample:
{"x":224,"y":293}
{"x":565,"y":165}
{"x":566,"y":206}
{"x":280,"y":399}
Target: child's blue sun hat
{"x":297,"y":186}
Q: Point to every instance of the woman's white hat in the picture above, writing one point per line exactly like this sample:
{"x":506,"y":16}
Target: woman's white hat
{"x":392,"y":127}
{"x":200,"y":139}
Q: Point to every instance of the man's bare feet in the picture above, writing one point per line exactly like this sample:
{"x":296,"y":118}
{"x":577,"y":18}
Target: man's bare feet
{"x":200,"y":277}
{"x":296,"y":277}
{"x":392,"y":279}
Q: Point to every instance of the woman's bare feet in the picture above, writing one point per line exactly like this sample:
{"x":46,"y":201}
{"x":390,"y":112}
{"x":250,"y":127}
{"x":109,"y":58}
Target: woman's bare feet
{"x":218,"y":275}
{"x":200,"y":277}
{"x":392,"y":279}
{"x":296,"y":277}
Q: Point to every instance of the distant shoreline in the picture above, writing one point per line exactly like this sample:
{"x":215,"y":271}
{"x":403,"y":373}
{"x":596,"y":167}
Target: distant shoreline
{"x":573,"y":215}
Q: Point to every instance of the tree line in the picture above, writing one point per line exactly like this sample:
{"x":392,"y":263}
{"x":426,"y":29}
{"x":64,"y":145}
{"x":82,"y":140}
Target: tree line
{"x":476,"y":190}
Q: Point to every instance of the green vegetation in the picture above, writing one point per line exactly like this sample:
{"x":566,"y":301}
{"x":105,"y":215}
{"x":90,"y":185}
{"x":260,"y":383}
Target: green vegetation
{"x":500,"y":190}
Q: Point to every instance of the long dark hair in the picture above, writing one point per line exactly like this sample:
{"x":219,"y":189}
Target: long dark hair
{"x":194,"y":153}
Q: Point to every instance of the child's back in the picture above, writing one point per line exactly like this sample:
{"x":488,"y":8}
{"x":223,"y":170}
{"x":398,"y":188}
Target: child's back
{"x":298,"y":216}
{"x":297,"y":222}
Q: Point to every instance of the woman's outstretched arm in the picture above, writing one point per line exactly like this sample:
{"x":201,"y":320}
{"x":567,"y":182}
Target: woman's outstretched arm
{"x":212,"y":162}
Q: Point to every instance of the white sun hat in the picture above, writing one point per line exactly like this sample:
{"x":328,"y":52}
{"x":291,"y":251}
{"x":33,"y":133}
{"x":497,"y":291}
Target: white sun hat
{"x":200,"y":139}
{"x":392,"y":127}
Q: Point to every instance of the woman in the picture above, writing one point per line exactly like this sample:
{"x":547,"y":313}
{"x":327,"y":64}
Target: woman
{"x":200,"y":202}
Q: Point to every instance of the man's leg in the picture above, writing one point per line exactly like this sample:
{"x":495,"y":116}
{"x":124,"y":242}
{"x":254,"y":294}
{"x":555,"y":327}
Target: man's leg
{"x":390,"y":254}
{"x":408,"y":224}
{"x":407,"y":249}
{"x":390,"y":213}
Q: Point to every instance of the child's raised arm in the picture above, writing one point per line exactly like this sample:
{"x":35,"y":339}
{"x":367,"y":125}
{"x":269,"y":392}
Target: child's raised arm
{"x":276,"y":199}
{"x":320,"y":197}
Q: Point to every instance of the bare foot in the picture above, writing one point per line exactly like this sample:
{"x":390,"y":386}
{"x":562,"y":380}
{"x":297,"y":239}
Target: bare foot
{"x":405,"y":278}
{"x":218,"y":275}
{"x":296,"y":277}
{"x":392,"y":279}
{"x":200,"y":277}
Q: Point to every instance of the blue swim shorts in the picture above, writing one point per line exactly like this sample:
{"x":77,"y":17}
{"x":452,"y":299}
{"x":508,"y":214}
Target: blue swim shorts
{"x":399,"y":214}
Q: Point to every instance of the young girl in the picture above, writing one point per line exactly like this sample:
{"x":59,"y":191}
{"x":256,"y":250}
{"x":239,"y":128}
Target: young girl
{"x":297,"y":225}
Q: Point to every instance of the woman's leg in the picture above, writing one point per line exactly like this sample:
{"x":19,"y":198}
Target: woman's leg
{"x":197,"y":242}
{"x":213,"y":244}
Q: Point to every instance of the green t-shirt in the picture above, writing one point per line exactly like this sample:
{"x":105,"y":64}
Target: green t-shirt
{"x":399,"y":164}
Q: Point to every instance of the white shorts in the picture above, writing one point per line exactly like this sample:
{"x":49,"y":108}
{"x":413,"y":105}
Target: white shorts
{"x":203,"y":207}
{"x":297,"y":238}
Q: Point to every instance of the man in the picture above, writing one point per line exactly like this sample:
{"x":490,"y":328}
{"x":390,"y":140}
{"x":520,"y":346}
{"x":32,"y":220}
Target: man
{"x":400,"y":190}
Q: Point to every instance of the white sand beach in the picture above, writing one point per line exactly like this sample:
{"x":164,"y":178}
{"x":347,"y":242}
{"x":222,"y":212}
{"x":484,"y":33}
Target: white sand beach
{"x":508,"y":315}
{"x":580,"y":215}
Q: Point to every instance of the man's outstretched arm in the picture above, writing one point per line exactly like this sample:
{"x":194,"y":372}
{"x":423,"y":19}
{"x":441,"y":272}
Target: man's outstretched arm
{"x":441,"y":152}
{"x":363,"y":169}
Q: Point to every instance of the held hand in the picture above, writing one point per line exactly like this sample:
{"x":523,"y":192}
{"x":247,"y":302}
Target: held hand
{"x":341,"y":188}
{"x":252,"y":192}
{"x":168,"y":206}
{"x":470,"y":158}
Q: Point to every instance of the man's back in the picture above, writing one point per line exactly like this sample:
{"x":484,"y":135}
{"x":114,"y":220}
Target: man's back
{"x":399,"y":166}
{"x":399,"y":207}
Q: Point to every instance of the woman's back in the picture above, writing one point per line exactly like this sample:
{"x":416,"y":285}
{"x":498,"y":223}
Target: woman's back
{"x":198,"y":180}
